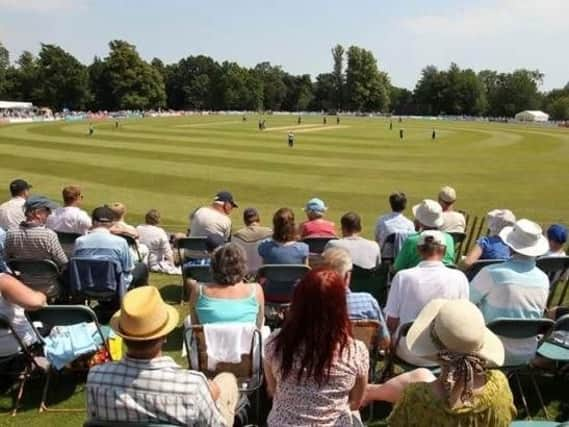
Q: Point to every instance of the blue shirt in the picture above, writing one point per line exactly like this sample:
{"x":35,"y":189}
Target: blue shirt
{"x":100,"y":243}
{"x":2,"y":253}
{"x":493,"y":248}
{"x":363,"y":306}
{"x":277,"y":253}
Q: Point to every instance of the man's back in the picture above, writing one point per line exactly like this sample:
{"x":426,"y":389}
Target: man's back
{"x":154,"y":390}
{"x":409,"y":255}
{"x":206,"y":222}
{"x":12,"y":213}
{"x":69,"y":219}
{"x":394,"y":222}
{"x":364,"y":253}
{"x":34,"y":242}
{"x":453,"y":222}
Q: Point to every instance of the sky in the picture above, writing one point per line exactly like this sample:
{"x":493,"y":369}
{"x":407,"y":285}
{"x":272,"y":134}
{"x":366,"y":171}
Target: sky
{"x":404,"y":35}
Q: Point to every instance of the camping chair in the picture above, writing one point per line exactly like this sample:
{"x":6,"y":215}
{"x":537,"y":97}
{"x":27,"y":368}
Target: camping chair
{"x":522,"y":329}
{"x":316,"y":245}
{"x":458,"y":238}
{"x":279,"y":281}
{"x":64,"y":315}
{"x":39,"y":274}
{"x":249,"y":371}
{"x":192,"y":248}
{"x":555,"y":268}
{"x":9,"y":364}
{"x":67,"y":242}
{"x":131,"y":241}
{"x":100,"y":423}
{"x":254,"y":260}
{"x":372,"y":281}
{"x":475,"y":268}
{"x":549,"y":349}
{"x":96,"y":279}
{"x":199,"y":273}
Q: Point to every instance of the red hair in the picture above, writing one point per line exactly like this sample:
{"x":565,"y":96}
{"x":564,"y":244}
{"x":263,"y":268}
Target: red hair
{"x":317,"y":327}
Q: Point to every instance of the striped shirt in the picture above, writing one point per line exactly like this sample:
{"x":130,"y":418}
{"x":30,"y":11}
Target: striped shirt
{"x":154,"y":390}
{"x":517,"y":289}
{"x":34,"y":241}
{"x":363,"y":306}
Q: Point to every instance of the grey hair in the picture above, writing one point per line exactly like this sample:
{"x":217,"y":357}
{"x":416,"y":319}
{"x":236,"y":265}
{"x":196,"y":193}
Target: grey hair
{"x":228,"y":264}
{"x":338,"y":259}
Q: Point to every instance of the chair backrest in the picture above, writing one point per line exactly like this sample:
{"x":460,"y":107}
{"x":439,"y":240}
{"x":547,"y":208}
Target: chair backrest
{"x":520,"y":328}
{"x":562,"y":324}
{"x":132,"y":244}
{"x":6,"y":327}
{"x":553,"y":266}
{"x":475,"y":268}
{"x":200,"y":273}
{"x":280,"y":280}
{"x":371,"y":281}
{"x":97,"y":278}
{"x":40,"y":274}
{"x":67,"y":241}
{"x":366,"y":331}
{"x":192,"y":248}
{"x":254,"y":260}
{"x":458,"y":237}
{"x":316,"y":245}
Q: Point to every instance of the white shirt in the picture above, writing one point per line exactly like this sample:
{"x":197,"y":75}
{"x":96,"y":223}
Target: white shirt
{"x":69,"y":219}
{"x":364,"y":253}
{"x":206,"y":222}
{"x":413,"y":288}
{"x":156,"y":239}
{"x":453,"y":222}
{"x":15,"y":314}
{"x":12,"y":213}
{"x":394,"y":222}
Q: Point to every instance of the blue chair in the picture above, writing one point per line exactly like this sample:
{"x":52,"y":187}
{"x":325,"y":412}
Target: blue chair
{"x":96,"y":278}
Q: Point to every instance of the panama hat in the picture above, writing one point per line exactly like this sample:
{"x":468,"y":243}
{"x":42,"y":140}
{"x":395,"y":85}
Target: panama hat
{"x":429,"y":213}
{"x":525,"y":237}
{"x":144,"y":315}
{"x":453,"y":325}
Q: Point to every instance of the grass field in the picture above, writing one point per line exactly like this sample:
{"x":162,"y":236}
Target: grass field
{"x":178,"y":164}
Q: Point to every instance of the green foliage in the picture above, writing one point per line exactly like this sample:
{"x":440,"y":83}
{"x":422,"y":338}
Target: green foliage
{"x":367,"y":89}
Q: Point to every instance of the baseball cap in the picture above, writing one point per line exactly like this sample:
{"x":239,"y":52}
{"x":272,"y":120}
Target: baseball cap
{"x":38,"y":202}
{"x":19,"y":185}
{"x":435,"y":236}
{"x":557,"y":233}
{"x":103,"y":214}
{"x":447,"y":194}
{"x":315,"y":205}
{"x":225,"y":197}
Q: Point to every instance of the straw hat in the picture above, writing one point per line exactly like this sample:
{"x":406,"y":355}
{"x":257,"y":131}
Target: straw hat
{"x":144,"y":315}
{"x":429,"y":213}
{"x":525,"y":238}
{"x":454,"y":325}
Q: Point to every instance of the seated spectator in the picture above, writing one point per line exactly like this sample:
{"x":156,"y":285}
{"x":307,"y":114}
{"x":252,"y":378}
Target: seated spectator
{"x":413,"y":288}
{"x":3,"y":266}
{"x":12,"y":211}
{"x":453,"y":221}
{"x":32,"y":240}
{"x":428,"y":216}
{"x":70,"y":218}
{"x":15,"y":297}
{"x":364,"y":253}
{"x":146,"y":386}
{"x":229,"y":298}
{"x":516,"y":288}
{"x":283,"y":248}
{"x":121,"y":228}
{"x":100,"y":243}
{"x":361,"y":305}
{"x":492,"y":246}
{"x":316,"y":226}
{"x":213,"y":221}
{"x":160,"y":253}
{"x":557,"y":237}
{"x":393,"y":223}
{"x":453,"y":335}
{"x":315,"y":371}
{"x":249,"y":238}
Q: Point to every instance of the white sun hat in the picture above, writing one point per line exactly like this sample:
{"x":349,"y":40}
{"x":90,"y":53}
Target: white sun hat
{"x":429,"y":213}
{"x":525,"y":237}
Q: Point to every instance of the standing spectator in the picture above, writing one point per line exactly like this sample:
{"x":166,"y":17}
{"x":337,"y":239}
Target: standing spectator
{"x":213,"y":221}
{"x":283,"y":248}
{"x":12,"y":211}
{"x":413,"y":288}
{"x":249,"y":237}
{"x":315,"y":371}
{"x":316,"y":226}
{"x":70,"y":218}
{"x":364,"y":253}
{"x":453,"y":221}
{"x":557,"y":237}
{"x":516,"y":288}
{"x":393,"y":223}
{"x":160,"y":254}
{"x":428,"y":216}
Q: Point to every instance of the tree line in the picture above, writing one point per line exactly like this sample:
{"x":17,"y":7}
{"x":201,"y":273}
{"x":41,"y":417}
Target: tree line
{"x":125,"y":81}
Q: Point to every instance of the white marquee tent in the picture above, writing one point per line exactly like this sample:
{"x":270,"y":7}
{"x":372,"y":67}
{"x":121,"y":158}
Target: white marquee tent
{"x":532,"y":116}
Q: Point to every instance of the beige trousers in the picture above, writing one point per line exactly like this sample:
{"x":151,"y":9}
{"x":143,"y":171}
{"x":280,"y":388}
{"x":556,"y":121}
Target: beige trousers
{"x":228,"y":397}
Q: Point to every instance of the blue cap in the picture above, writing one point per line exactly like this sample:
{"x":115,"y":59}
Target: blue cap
{"x":315,"y":205}
{"x":557,"y":233}
{"x":38,"y":202}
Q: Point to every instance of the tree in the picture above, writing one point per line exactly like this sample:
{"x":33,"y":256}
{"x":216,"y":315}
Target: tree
{"x":22,"y":79}
{"x":367,"y":89}
{"x":402,"y":101}
{"x":299,"y":93}
{"x":338,"y":72}
{"x":192,"y":83}
{"x":324,"y":92}
{"x":4,"y":64}
{"x":274,"y":89}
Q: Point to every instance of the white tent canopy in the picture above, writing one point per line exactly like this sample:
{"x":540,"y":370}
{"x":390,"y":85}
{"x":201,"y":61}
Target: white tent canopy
{"x":532,"y":116}
{"x":13,"y":105}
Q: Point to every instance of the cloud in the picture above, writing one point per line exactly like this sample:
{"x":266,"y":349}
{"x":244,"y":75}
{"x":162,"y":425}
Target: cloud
{"x":42,"y":6}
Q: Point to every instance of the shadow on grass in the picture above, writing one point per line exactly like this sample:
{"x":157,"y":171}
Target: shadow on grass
{"x":171,"y":294}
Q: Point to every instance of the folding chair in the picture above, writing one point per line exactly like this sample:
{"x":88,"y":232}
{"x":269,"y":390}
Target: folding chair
{"x":367,"y":331}
{"x":475,"y":268}
{"x":254,"y":260}
{"x":555,"y":268}
{"x":96,"y":279}
{"x":39,"y":274}
{"x":371,"y":281}
{"x":316,"y":245}
{"x":67,"y":241}
{"x":64,"y":315}
{"x":458,"y":238}
{"x":549,"y":349}
{"x":189,"y":248}
{"x":9,"y":363}
{"x":249,"y":371}
{"x":522,"y":329}
{"x":131,"y":241}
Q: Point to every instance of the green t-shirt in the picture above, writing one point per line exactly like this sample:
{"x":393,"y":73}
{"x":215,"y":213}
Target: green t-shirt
{"x":409,"y":257}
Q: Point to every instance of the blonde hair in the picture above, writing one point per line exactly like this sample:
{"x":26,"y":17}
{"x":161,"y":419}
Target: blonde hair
{"x":338,"y":259}
{"x":119,"y":209}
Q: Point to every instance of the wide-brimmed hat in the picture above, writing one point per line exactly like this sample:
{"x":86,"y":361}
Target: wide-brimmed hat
{"x":429,"y":213}
{"x":526,"y":238}
{"x":500,"y":218}
{"x":144,"y":315}
{"x":453,"y":325}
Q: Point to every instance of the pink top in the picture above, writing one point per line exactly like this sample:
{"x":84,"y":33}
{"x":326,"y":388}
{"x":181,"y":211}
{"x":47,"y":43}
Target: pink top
{"x":318,"y":227}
